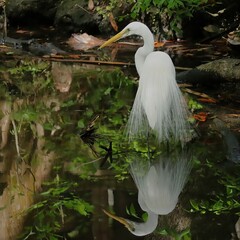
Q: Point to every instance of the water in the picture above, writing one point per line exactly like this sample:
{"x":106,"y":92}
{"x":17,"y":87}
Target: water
{"x":64,"y":156}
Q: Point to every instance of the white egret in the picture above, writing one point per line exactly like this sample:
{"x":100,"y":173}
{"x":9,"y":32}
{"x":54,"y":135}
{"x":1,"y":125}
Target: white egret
{"x":159,"y":186}
{"x":158,"y":102}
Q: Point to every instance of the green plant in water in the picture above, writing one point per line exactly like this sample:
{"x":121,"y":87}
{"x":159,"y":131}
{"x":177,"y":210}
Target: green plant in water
{"x":49,"y":214}
{"x":183,"y":235}
{"x":32,"y":76}
{"x":131,"y":211}
{"x":225,"y":200}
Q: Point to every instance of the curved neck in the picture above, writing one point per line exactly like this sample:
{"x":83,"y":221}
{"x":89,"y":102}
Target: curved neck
{"x":142,"y":52}
{"x":142,"y":229}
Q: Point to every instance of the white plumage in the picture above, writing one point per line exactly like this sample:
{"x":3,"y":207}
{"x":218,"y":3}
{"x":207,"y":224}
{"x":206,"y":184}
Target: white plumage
{"x":159,"y":103}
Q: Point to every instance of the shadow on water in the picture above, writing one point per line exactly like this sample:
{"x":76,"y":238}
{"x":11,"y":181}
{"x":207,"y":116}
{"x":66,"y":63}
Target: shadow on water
{"x":64,"y":159}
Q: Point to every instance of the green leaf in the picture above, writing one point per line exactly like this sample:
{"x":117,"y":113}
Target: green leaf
{"x":132,"y":211}
{"x":81,"y":124}
{"x":108,"y":91}
{"x":144,"y":217}
{"x":194,"y":204}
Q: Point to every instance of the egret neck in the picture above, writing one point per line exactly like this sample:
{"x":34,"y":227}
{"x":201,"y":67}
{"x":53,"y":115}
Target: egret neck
{"x":147,"y":48}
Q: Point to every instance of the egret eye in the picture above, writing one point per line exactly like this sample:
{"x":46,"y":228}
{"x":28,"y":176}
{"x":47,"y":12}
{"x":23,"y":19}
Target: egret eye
{"x":131,"y":227}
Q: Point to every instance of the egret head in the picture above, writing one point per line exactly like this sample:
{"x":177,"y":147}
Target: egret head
{"x":137,"y":228}
{"x":133,"y":28}
{"x":128,"y":224}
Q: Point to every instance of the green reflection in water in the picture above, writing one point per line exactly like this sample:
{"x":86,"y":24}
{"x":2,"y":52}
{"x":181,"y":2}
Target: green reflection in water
{"x":53,"y":210}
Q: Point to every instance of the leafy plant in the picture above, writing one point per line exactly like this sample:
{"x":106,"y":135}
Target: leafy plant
{"x":49,"y":213}
{"x":131,"y":211}
{"x":172,"y":12}
{"x":31,"y":76}
{"x":194,"y":105}
{"x":183,"y":235}
{"x":223,"y":201}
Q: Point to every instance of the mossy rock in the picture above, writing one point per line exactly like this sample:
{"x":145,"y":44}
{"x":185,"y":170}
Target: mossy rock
{"x":218,"y":71}
{"x":74,"y":16}
{"x":227,"y":68}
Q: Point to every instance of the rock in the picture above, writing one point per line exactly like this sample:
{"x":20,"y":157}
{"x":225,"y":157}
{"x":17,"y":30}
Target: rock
{"x":67,"y":15}
{"x":31,"y":11}
{"x":222,"y":70}
{"x":227,"y":68}
{"x":74,"y":16}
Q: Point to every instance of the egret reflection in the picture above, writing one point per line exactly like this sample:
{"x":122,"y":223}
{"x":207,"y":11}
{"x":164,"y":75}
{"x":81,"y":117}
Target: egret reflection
{"x":159,"y":185}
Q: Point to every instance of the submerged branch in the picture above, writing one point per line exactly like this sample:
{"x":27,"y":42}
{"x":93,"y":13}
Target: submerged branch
{"x":99,"y":62}
{"x":203,"y":95}
{"x":90,"y":61}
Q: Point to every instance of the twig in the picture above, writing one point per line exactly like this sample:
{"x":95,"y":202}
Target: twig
{"x":95,"y":160}
{"x":5,"y":22}
{"x":233,"y":115}
{"x":77,"y":5}
{"x":16,"y":138}
{"x":91,"y":61}
{"x":102,"y":62}
{"x":203,"y":95}
{"x":183,"y":68}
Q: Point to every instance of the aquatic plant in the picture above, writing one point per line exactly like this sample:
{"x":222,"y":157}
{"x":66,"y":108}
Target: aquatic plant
{"x":52,"y":210}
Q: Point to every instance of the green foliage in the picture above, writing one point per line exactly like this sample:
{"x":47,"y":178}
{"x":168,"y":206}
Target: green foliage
{"x":131,"y":211}
{"x":31,"y":76}
{"x":56,"y":203}
{"x":223,"y":201}
{"x":174,"y":11}
{"x":109,"y":8}
{"x":183,"y":235}
{"x":194,"y":105}
{"x":26,"y":114}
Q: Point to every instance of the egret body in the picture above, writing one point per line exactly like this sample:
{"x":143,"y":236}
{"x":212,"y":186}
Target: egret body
{"x":159,"y":103}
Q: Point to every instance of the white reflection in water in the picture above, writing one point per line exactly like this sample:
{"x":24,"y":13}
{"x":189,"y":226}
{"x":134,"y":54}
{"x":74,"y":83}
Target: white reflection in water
{"x":159,"y":185}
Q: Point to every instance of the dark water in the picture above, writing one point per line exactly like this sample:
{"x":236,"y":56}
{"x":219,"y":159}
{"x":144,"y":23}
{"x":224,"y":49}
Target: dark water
{"x":64,"y":153}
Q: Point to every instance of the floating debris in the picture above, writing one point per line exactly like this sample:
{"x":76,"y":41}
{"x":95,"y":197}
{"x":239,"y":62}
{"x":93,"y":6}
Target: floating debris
{"x":83,"y":41}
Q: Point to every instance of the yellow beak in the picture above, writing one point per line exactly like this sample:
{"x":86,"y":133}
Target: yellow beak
{"x":123,"y":221}
{"x":113,"y":39}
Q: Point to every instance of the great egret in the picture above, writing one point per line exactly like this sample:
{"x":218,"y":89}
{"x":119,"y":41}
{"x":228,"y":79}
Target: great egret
{"x":159,"y":185}
{"x":158,"y":102}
